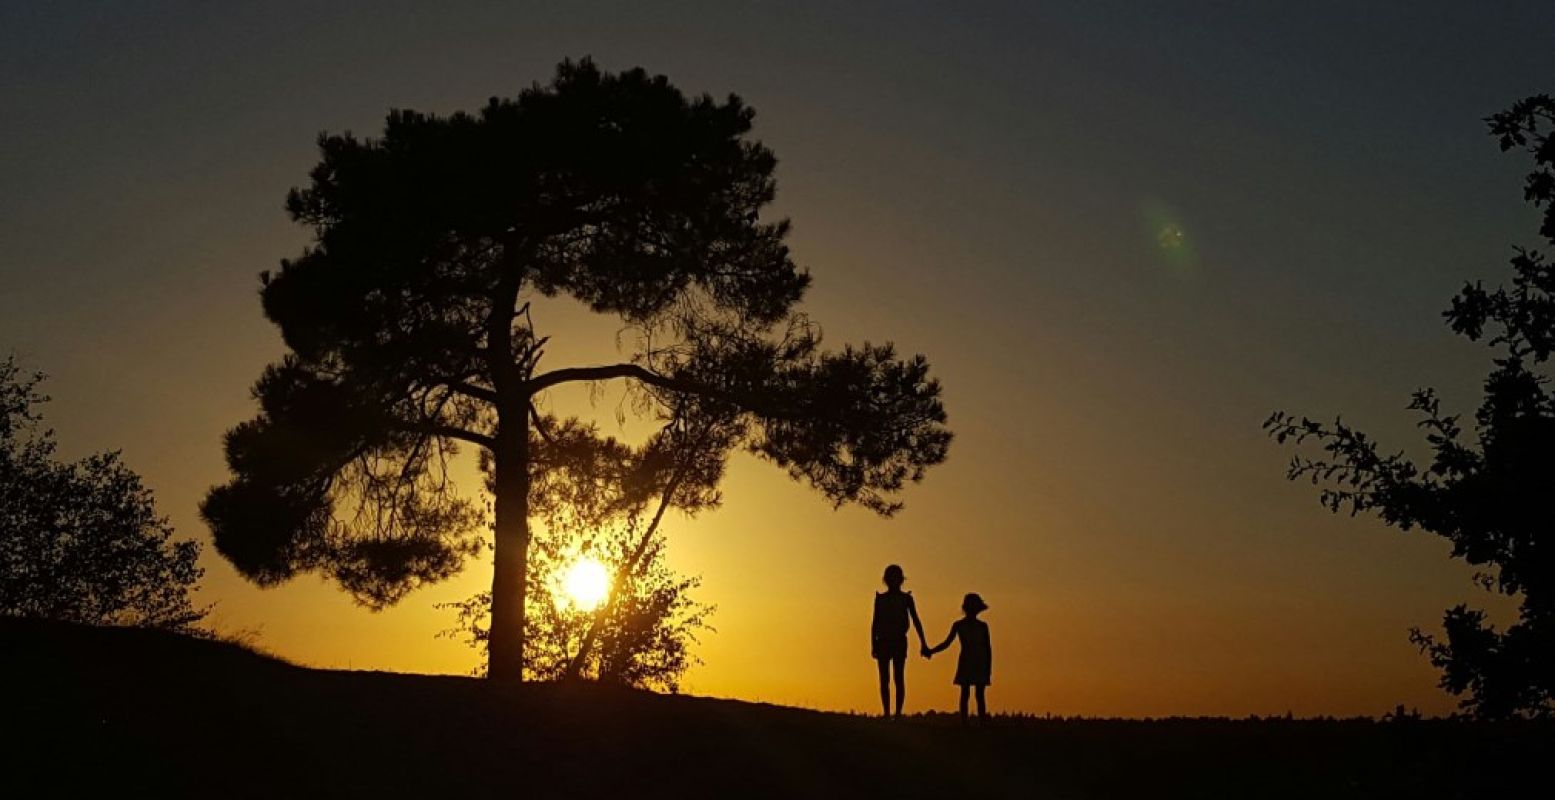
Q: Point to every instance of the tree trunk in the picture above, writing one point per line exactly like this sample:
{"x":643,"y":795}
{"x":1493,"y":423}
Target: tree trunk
{"x":510,"y":462}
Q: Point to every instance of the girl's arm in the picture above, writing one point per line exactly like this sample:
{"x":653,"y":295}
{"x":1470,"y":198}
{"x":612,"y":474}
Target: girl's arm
{"x":946,"y":643}
{"x":874,"y":641}
{"x":912,"y":609}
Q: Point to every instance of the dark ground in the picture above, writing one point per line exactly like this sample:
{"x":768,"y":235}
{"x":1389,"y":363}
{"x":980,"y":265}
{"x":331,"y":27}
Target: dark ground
{"x":144,"y":714}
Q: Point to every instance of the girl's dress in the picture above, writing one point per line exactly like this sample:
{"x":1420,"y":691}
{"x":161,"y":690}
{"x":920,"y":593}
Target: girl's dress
{"x":888,"y":630}
{"x":975,"y":665}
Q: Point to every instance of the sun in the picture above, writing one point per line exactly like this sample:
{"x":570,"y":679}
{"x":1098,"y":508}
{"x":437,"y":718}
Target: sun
{"x":586,"y":583}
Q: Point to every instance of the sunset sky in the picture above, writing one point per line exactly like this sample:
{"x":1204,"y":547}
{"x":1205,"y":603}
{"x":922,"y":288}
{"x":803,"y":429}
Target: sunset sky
{"x":1122,"y":237}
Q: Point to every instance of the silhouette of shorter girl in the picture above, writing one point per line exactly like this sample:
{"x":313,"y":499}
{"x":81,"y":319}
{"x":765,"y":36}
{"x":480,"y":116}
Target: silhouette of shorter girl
{"x":974,"y":669}
{"x":888,"y":636}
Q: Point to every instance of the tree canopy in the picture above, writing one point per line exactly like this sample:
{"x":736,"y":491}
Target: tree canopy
{"x":411,"y":332}
{"x":81,"y":541}
{"x":1490,"y":493}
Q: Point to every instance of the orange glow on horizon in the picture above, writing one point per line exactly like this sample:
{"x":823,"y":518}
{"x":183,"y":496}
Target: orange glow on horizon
{"x":1112,"y":309}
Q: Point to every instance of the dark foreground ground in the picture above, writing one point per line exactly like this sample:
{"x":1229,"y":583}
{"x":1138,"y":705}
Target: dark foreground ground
{"x":89,"y":711}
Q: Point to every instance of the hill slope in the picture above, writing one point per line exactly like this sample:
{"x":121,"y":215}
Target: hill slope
{"x":153,"y":714}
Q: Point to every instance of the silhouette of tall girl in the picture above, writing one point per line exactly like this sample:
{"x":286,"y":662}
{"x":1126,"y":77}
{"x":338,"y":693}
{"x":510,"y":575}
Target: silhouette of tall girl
{"x":888,"y":636}
{"x":974,"y":669}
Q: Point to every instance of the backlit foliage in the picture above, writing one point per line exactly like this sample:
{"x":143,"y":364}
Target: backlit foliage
{"x":1489,"y":489}
{"x":81,"y":541}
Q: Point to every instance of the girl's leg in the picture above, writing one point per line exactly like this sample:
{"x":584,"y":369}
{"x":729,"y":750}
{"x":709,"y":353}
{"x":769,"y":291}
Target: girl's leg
{"x":965,"y":690}
{"x":885,"y":686}
{"x":982,"y":704}
{"x":899,"y":665}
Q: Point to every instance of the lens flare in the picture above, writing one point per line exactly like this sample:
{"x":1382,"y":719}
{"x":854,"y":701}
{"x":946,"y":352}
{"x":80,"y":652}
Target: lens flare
{"x":1172,"y":242}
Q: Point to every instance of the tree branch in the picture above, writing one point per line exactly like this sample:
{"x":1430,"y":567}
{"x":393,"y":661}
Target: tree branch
{"x":539,"y":424}
{"x":452,"y":432}
{"x":472,"y":391}
{"x":540,"y":383}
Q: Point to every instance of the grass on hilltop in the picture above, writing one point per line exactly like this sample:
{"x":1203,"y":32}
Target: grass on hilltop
{"x":156,"y":714}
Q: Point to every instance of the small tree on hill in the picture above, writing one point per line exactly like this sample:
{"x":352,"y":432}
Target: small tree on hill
{"x":601,"y":499}
{"x":1491,"y":495}
{"x":82,"y":541}
{"x":411,"y":332}
{"x":642,"y":639}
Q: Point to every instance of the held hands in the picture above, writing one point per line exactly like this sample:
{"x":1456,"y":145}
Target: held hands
{"x":926,"y":652}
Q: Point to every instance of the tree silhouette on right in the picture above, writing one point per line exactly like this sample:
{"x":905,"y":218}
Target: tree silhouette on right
{"x":1490,"y":493}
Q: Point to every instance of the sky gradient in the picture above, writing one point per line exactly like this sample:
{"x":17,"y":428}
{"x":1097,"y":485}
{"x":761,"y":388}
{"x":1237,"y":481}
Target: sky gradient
{"x":987,"y":186}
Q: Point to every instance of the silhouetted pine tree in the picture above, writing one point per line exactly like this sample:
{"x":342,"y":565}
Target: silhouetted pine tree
{"x":410,"y":332}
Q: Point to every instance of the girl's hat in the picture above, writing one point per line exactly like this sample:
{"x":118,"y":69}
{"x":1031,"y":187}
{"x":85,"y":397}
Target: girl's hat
{"x":893,"y":572}
{"x":973,"y":602}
